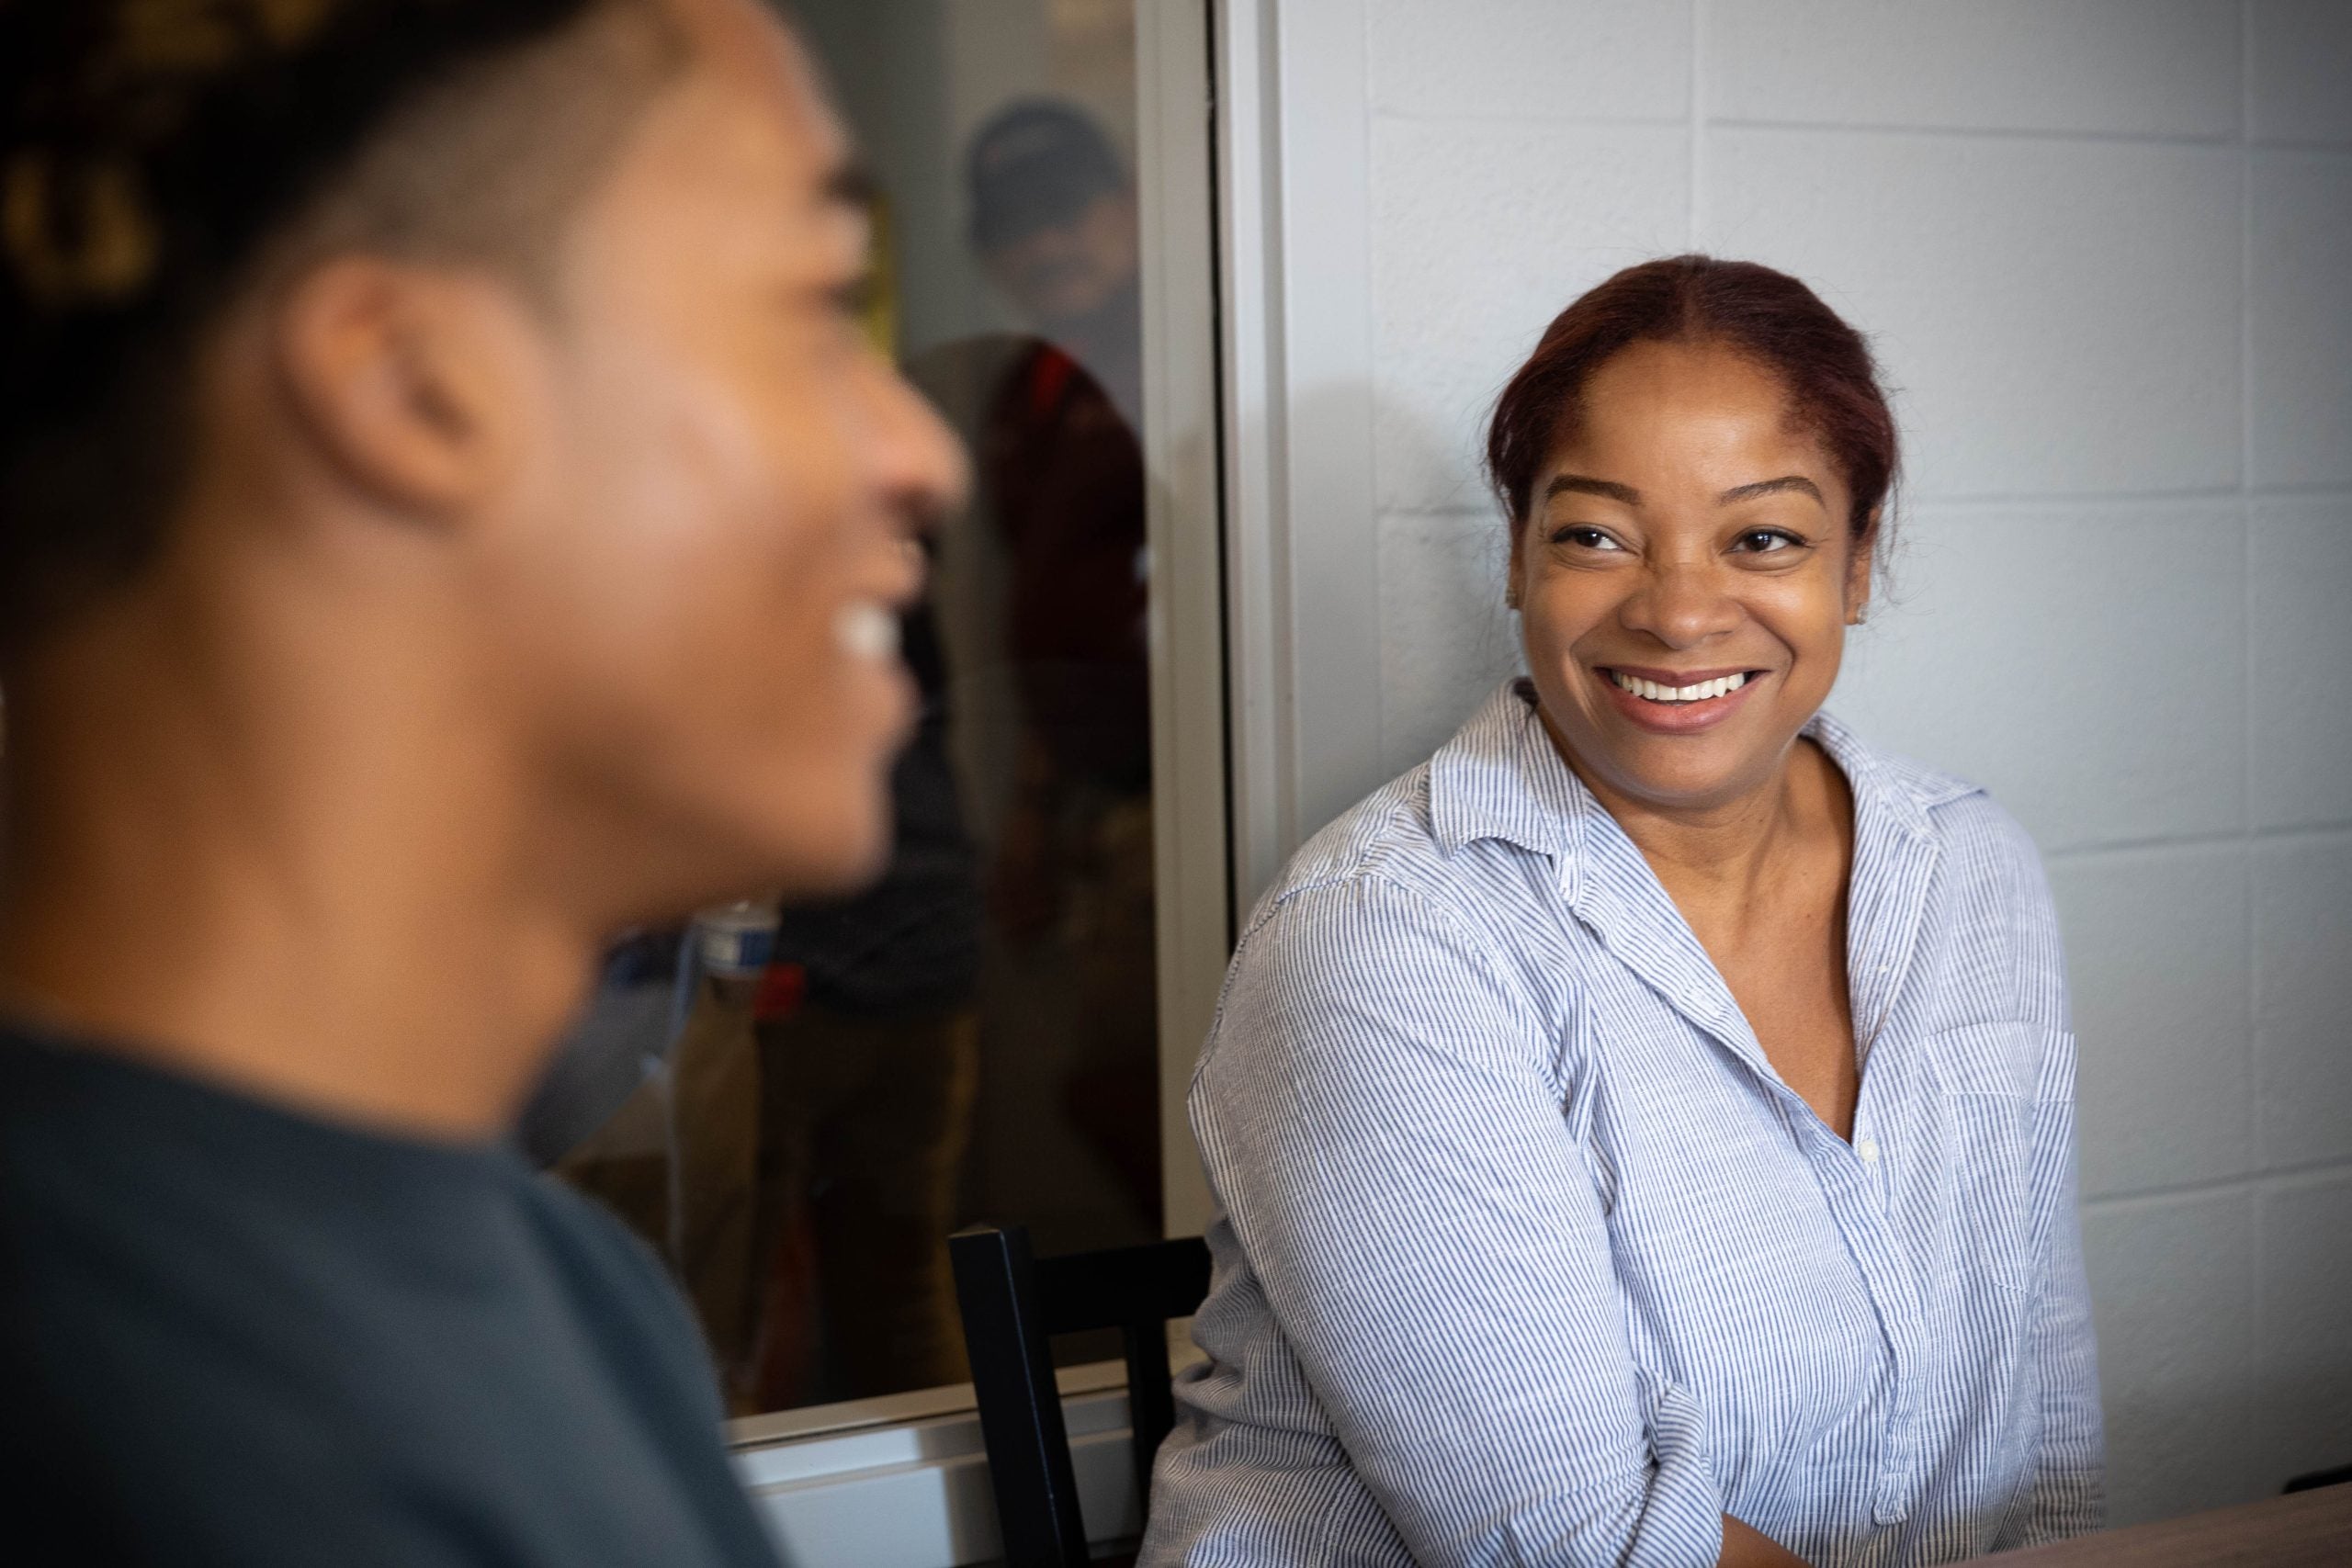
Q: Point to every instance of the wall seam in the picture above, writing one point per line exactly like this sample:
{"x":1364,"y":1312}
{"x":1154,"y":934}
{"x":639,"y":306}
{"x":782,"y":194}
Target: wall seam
{"x":2257,"y":1331}
{"x":2236,"y":838}
{"x":2287,"y":1178}
{"x":2219,"y":142}
{"x":1987,"y":500}
{"x":2081,"y":498}
{"x":1545,"y":120}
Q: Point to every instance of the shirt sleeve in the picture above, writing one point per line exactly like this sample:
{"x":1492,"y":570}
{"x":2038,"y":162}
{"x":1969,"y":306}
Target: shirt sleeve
{"x":2069,"y":1487}
{"x":2070,"y":1474}
{"x":1378,"y":1120}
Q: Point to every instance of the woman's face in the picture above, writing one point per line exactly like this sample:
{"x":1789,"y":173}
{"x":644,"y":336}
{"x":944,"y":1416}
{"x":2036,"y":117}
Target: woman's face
{"x":1689,"y":534}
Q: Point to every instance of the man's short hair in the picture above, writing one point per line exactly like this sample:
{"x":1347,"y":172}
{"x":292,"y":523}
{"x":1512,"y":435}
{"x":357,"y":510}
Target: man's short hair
{"x":1036,"y":164}
{"x":161,"y":159}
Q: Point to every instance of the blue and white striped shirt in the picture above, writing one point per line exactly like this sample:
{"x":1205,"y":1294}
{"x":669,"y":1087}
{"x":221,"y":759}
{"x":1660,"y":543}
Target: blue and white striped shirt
{"x":1526,"y":1256}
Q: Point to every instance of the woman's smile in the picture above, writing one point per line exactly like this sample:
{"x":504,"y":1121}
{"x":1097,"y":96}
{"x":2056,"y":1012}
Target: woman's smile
{"x":1670,"y":702}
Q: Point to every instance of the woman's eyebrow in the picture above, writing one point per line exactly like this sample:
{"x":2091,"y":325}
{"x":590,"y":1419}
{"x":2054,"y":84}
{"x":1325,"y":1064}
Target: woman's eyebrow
{"x":1770,"y":487}
{"x":1607,"y":488}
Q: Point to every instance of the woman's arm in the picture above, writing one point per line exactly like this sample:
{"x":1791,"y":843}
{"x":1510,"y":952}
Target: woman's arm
{"x":2069,"y":1485}
{"x":1375,"y":1111}
{"x":2071,"y":1472}
{"x":2070,"y":1475}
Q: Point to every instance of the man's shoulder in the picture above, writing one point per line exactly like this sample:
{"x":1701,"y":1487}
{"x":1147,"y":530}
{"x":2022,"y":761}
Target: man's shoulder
{"x":240,"y":1360}
{"x":608,"y":1266}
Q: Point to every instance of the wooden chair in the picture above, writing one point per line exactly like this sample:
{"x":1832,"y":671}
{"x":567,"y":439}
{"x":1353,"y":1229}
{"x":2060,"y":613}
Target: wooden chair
{"x":1012,"y":1304}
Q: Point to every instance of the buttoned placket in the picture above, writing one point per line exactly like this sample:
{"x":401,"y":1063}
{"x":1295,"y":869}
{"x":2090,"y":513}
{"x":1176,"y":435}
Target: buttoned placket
{"x":1893,"y":869}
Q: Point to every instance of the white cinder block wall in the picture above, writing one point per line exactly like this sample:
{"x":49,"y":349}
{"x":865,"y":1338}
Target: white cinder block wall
{"x":2105,"y":248}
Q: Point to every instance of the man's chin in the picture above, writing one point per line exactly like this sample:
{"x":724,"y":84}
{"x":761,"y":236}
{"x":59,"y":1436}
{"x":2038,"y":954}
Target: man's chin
{"x":836,"y":865}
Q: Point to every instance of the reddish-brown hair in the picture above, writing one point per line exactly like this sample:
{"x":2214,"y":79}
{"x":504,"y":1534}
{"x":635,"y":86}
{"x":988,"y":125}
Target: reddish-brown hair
{"x":1768,"y":316}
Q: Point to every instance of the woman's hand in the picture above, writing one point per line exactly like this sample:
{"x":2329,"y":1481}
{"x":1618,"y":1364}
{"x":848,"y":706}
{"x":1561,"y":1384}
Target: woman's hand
{"x":1745,"y":1546}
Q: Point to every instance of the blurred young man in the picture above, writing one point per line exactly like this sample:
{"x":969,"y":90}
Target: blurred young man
{"x":448,"y":512}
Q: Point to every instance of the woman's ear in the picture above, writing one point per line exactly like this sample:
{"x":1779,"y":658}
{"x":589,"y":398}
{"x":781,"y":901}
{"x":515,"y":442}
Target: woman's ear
{"x":1513,"y":585}
{"x":1858,"y":571}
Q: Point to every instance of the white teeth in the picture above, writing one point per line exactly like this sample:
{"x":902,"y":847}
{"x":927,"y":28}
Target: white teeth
{"x":865,"y":630}
{"x":1723,"y":685}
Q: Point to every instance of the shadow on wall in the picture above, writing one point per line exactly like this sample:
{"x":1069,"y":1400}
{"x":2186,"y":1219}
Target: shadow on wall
{"x":2160,"y":1451}
{"x":1446,"y":638}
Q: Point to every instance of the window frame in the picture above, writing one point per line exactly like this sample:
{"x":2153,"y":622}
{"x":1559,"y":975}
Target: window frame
{"x":1254,"y":188}
{"x":1185,"y":630}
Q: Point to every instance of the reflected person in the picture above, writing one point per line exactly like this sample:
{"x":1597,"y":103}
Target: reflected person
{"x":791,"y":1139}
{"x":426,"y":433}
{"x":1054,"y":222}
{"x":1641,"y":1133}
{"x":1059,"y":469}
{"x":868,"y":1057}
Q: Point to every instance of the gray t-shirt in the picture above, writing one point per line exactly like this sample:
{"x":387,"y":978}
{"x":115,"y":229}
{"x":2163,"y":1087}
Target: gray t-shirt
{"x":231,"y":1334}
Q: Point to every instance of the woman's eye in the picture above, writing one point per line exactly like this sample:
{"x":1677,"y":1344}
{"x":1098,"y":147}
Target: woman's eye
{"x":1763,"y":541}
{"x":1585,"y":538}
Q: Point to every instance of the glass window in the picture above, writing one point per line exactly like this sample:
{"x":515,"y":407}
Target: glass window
{"x":810,"y":1099}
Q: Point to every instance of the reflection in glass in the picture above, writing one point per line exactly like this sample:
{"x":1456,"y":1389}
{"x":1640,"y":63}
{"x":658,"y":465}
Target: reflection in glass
{"x":977,"y":1035}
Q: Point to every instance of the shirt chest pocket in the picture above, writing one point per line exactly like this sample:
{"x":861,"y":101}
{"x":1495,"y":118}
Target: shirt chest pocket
{"x":1982,"y":1123}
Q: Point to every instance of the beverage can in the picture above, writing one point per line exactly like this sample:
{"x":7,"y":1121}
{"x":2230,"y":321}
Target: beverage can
{"x":736,"y":942}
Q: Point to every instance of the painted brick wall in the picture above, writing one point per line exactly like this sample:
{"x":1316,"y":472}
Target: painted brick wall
{"x":2105,"y":247}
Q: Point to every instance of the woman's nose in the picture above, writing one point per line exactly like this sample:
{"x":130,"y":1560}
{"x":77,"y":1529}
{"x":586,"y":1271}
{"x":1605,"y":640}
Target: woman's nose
{"x":1681,"y":603}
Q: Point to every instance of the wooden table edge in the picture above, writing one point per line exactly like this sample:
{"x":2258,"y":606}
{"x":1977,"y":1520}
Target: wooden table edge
{"x":2307,"y":1529}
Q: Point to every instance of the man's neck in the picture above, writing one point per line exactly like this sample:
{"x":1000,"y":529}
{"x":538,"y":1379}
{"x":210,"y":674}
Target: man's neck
{"x":312,"y":900}
{"x":1108,"y":341}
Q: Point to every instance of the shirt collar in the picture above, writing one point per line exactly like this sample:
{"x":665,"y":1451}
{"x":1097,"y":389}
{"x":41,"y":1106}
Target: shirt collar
{"x":1900,"y":795}
{"x":1500,"y":777}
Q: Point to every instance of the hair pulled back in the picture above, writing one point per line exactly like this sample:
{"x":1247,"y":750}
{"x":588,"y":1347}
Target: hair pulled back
{"x":1767,"y":316}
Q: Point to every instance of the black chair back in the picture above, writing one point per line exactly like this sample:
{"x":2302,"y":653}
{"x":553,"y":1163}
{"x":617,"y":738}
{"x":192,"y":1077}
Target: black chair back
{"x":1012,"y":1304}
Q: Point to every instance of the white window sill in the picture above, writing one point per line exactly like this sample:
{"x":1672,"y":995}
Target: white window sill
{"x":902,"y":1481}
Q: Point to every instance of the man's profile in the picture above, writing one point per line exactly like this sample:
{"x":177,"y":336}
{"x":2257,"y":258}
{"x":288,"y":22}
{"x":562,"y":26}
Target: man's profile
{"x":449,"y":513}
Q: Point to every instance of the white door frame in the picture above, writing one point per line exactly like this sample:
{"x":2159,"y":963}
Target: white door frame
{"x":1257,"y":335}
{"x":1182,"y":447}
{"x":1303,"y":579}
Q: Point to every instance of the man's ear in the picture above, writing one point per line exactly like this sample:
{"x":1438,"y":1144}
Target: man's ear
{"x":407,"y":377}
{"x":1858,"y":560}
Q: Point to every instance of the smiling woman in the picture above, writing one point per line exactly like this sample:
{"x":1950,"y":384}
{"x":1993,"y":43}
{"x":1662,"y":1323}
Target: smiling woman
{"x":1642,"y":1133}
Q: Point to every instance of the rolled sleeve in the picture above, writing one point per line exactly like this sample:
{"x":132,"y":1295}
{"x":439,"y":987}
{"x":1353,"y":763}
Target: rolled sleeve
{"x":1380,"y":1123}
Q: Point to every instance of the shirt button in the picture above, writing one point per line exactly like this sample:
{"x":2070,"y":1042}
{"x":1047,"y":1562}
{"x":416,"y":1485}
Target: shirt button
{"x":1868,"y":1149}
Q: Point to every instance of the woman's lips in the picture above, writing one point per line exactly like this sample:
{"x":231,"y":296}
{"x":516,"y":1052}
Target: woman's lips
{"x":1680,"y":716}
